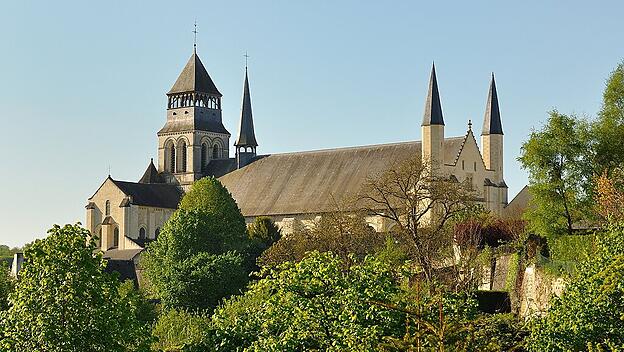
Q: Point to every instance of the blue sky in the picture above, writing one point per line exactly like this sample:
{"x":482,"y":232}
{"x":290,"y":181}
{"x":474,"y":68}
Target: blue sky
{"x":82,"y":84}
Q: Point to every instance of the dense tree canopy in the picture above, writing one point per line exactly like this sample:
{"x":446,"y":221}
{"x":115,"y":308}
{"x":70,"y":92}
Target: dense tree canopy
{"x":591,"y":309}
{"x":210,"y":196}
{"x":558,"y":159}
{"x":64,"y":301}
{"x":191,"y":264}
{"x":6,"y":286}
{"x":609,"y":128}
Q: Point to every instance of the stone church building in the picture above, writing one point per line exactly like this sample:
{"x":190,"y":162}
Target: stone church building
{"x":289,"y":187}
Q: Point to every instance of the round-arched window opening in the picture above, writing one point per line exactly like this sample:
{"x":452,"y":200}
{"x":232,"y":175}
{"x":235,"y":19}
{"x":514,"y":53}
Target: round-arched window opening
{"x":156,"y":233}
{"x":215,"y":151}
{"x":204,"y":154}
{"x":142,"y":233}
{"x":116,"y":237}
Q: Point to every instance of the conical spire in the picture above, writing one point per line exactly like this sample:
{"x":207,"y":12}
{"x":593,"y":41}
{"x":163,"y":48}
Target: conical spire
{"x":492,"y":121}
{"x":246,"y":134}
{"x":433,"y":108}
{"x":151,"y":175}
{"x":194,"y":78}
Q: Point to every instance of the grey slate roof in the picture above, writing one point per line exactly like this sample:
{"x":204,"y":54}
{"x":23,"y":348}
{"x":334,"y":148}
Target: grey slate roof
{"x":246,"y":135}
{"x":433,"y":107}
{"x":220,"y":167}
{"x":492,"y":120}
{"x":151,"y":175}
{"x":199,"y":123}
{"x":194,"y":78}
{"x":121,"y":254}
{"x":311,"y":182}
{"x":158,"y":195}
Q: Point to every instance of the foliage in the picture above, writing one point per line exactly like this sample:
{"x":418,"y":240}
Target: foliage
{"x":591,"y":308}
{"x":343,"y":234}
{"x":263,"y":233}
{"x":187,"y":266}
{"x":560,"y":174}
{"x":264,"y":230}
{"x":145,"y":311}
{"x":6,"y":286}
{"x":7,"y":252}
{"x":211,"y":197}
{"x":609,"y":128}
{"x":314,"y":304}
{"x":178,"y":329}
{"x":491,"y":231}
{"x":420,"y":204}
{"x":200,"y":255}
{"x":610,"y":195}
{"x":64,"y":301}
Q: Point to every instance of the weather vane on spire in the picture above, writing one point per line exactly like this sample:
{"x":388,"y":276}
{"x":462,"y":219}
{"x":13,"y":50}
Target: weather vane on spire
{"x":246,"y":57}
{"x":195,"y":37}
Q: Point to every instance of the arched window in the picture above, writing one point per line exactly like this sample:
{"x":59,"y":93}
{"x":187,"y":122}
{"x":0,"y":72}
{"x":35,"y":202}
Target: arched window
{"x":157,"y":232}
{"x":171,"y":155}
{"x":182,"y":164}
{"x":215,"y":151}
{"x":116,"y":237}
{"x":107,"y":210}
{"x":142,"y":233}
{"x":204,"y":155}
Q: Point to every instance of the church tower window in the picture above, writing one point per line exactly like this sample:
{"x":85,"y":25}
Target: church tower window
{"x":215,"y":151}
{"x":170,"y":154}
{"x":204,"y":155}
{"x":116,"y":237}
{"x":182,"y":163}
{"x":107,"y":208}
{"x":142,"y":233}
{"x":156,"y":233}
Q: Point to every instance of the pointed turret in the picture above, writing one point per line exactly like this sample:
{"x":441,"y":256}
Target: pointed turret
{"x":433,"y":128}
{"x":246,"y":143}
{"x":246,"y":134}
{"x":151,"y":175}
{"x":492,"y":121}
{"x":433,"y":108}
{"x":194,"y":78}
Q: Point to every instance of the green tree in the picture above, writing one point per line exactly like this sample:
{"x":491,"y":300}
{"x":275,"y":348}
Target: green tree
{"x":192,"y":265}
{"x":609,"y":127}
{"x":176,"y":330}
{"x":211,"y":197}
{"x":6,"y":286}
{"x":560,"y":173}
{"x":311,"y":305}
{"x":64,"y":301}
{"x":264,"y":231}
{"x":344,"y":234}
{"x":591,"y":309}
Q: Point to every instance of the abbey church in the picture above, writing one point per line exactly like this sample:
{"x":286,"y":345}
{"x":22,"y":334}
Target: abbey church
{"x":288,"y":187}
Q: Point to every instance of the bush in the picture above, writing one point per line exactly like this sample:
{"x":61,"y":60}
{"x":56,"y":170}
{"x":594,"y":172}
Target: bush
{"x":177,"y":330}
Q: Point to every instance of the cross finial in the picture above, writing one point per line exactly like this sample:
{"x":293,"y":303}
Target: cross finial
{"x":246,"y":57}
{"x":195,"y":37}
{"x":469,"y":125}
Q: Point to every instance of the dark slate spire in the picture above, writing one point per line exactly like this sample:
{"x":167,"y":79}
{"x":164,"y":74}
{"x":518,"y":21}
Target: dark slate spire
{"x":246,"y":135}
{"x":433,"y":108}
{"x":492,"y":121}
{"x":194,"y":78}
{"x":151,"y":175}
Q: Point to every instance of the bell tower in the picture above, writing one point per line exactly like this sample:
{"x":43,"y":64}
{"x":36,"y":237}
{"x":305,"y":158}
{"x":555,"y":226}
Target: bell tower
{"x":193,"y":134}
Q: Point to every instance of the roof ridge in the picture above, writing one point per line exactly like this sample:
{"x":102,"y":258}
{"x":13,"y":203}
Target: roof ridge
{"x":359,"y":147}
